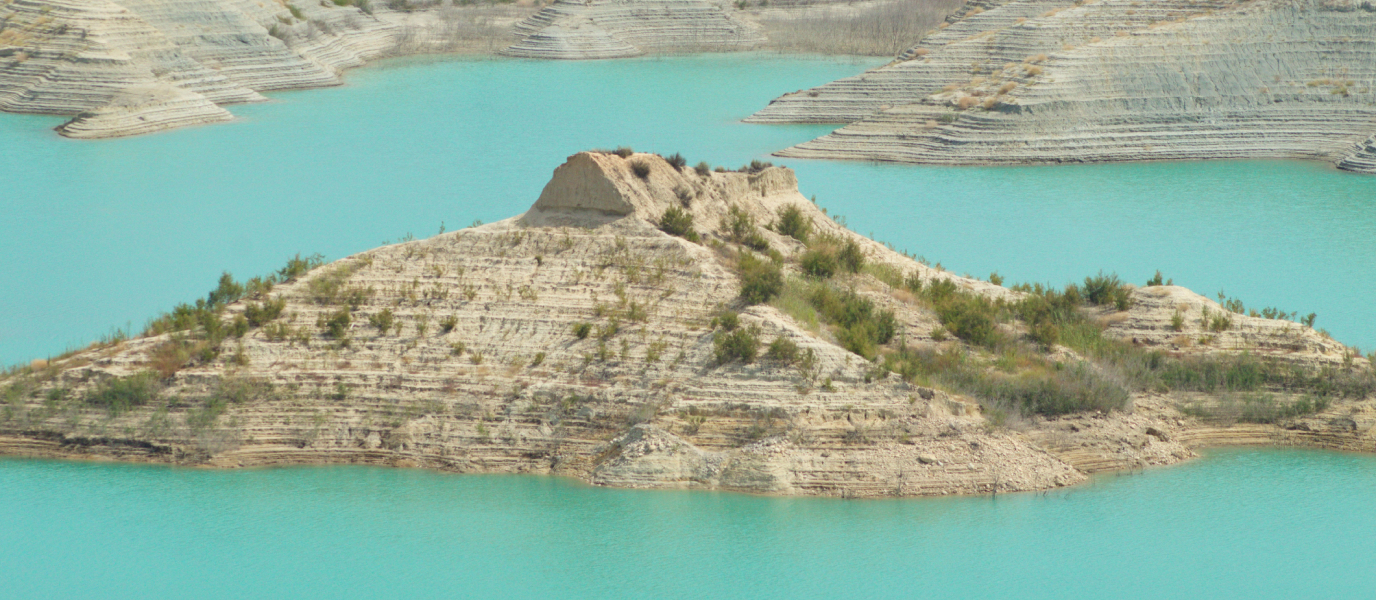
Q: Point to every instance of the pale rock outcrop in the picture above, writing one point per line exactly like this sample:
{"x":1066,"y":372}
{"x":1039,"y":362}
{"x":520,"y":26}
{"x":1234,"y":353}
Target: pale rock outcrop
{"x":585,"y":29}
{"x":577,"y":339}
{"x":1027,"y":81}
{"x":138,"y":110}
{"x":101,"y":58}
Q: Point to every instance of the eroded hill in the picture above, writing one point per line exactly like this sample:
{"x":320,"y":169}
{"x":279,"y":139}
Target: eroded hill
{"x":649,"y":324}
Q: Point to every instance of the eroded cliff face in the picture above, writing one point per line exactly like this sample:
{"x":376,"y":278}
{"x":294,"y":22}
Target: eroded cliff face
{"x":579,"y":339}
{"x":1029,"y":81}
{"x":575,"y":29}
{"x":127,"y":67}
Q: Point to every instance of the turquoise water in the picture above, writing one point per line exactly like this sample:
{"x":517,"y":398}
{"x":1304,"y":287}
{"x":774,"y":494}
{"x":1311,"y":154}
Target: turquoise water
{"x":1240,"y":524}
{"x":98,"y":234}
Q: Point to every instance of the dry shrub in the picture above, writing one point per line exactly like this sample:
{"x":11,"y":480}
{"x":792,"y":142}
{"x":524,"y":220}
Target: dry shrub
{"x":1032,"y":60}
{"x":966,"y":102}
{"x":951,"y":87}
{"x":1021,"y":20}
{"x":1068,"y":47}
{"x":931,"y":123}
{"x":1034,"y":71}
{"x":1121,"y":34}
{"x":885,"y":29}
{"x":1007,"y":87}
{"x":921,"y":52}
{"x":990,"y":103}
{"x":1095,"y":40}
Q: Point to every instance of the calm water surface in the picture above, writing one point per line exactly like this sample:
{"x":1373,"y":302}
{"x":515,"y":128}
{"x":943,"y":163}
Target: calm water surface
{"x":1239,"y":524}
{"x":96,"y":234}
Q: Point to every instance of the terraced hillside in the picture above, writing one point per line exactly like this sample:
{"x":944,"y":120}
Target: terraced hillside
{"x":571,"y":29}
{"x":647,"y":324}
{"x":1029,"y":81}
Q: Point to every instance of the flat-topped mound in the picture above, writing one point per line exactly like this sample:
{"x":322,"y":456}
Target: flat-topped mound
{"x":647,"y":324}
{"x":1032,"y":81}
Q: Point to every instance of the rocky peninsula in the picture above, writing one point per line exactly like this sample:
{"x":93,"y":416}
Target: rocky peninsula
{"x":1036,"y":81}
{"x":129,"y":67}
{"x":650,"y":324}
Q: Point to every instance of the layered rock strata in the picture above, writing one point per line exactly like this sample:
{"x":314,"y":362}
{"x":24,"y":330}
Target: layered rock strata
{"x":1029,"y":81}
{"x":579,"y":339}
{"x":571,"y":29}
{"x":135,"y":66}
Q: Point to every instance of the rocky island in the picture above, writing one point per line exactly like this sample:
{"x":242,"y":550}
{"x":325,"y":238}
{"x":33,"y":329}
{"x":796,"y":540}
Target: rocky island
{"x":650,"y":324}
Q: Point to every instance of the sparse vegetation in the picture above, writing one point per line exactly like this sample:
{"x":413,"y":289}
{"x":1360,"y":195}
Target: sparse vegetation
{"x":383,"y":320}
{"x":783,"y":350}
{"x":448,"y":324}
{"x":761,"y":280}
{"x":678,"y":222}
{"x":740,"y":228}
{"x":740,"y":344}
{"x":120,"y":394}
{"x":581,"y":330}
{"x":793,"y":223}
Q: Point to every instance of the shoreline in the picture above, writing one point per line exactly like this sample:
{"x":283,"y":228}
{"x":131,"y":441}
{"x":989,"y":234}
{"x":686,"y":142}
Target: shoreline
{"x":1246,"y":437}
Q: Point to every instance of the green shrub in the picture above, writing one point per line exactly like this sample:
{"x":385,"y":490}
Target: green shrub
{"x":122,"y":393}
{"x":624,"y":152}
{"x":684,"y":195}
{"x":756,"y":166}
{"x":297,"y":266}
{"x":740,"y":228}
{"x":819,"y":263}
{"x":793,"y":223}
{"x":678,"y":222}
{"x":703,"y":169}
{"x":228,"y":291}
{"x":581,"y":330}
{"x":676,"y":160}
{"x":728,"y":320}
{"x":850,"y":257}
{"x":1104,"y":289}
{"x":448,"y":323}
{"x":742,"y":344}
{"x":761,"y":280}
{"x":861,"y":328}
{"x":383,"y":321}
{"x":782,"y":349}
{"x":259,"y":314}
{"x":969,"y":317}
{"x":337,"y":324}
{"x":641,"y":169}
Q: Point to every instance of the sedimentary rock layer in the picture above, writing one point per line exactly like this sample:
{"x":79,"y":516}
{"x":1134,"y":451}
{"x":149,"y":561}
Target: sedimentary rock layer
{"x":93,"y":57}
{"x":580,"y":339}
{"x":1028,"y":81}
{"x":570,"y":29}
